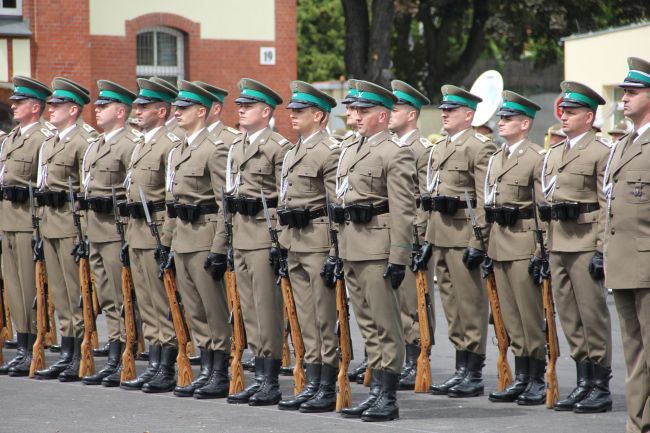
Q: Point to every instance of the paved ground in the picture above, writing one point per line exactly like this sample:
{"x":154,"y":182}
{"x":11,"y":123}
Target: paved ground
{"x":31,"y":406}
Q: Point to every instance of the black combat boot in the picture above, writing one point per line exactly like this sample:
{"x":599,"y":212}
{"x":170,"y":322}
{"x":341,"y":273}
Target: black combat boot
{"x":12,"y":344}
{"x":144,"y":377}
{"x":218,"y":383}
{"x":22,"y":367}
{"x":67,"y":350}
{"x":325,"y":399}
{"x":599,"y":399}
{"x":249,"y":364}
{"x":385,"y":408}
{"x":71,"y":373}
{"x":269,"y":393}
{"x":375,"y":390}
{"x":410,"y":370}
{"x":207,"y":357}
{"x":360,"y":369}
{"x":309,"y":390}
{"x":472,"y":383}
{"x":584,"y":376}
{"x":21,"y":349}
{"x":517,"y":387}
{"x":243,"y":396}
{"x":535,"y":393}
{"x":102,"y":350}
{"x":165,"y":378}
{"x":459,"y":375}
{"x":113,"y":380}
{"x":112,"y":364}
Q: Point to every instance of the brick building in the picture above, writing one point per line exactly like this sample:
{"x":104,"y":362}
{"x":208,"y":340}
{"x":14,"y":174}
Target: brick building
{"x":120,"y":40}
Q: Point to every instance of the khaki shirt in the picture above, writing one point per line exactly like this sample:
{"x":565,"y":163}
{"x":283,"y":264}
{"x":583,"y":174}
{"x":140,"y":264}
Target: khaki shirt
{"x":421,"y":148}
{"x":627,"y":237}
{"x":308,"y":174}
{"x":578,"y":174}
{"x":512,"y":179}
{"x":460,"y":165}
{"x":380,"y":171}
{"x":19,"y":167}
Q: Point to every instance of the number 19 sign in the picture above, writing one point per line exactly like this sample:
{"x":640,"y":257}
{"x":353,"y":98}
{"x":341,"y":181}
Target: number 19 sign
{"x":267,"y":55}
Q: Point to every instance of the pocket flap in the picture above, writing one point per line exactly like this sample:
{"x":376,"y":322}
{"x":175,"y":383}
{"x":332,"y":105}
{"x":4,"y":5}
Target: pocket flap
{"x":637,"y":176}
{"x":457,"y":165}
{"x":112,"y":165}
{"x":583,"y":169}
{"x":308,"y":171}
{"x":152,"y":164}
{"x":194,"y":170}
{"x":65,"y":160}
{"x":262,"y":168}
{"x":643,"y":244}
{"x":369,"y":170}
{"x":517,"y":181}
{"x":23,"y":157}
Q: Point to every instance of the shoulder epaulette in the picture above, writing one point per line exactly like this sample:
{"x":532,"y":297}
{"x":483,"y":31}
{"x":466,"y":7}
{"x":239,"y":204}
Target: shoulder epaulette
{"x":173,"y":136}
{"x":499,"y":149}
{"x":441,"y":140}
{"x":49,"y":126}
{"x":542,"y":151}
{"x":396,"y":141}
{"x":425,"y":142}
{"x":47,"y":133}
{"x":348,"y":135}
{"x":481,"y":137}
{"x":136,"y":132}
{"x":561,"y":143}
{"x":92,"y":139}
{"x":89,"y":129}
{"x":332,"y":143}
{"x":214,"y":140}
{"x":233,"y":130}
{"x":604,"y":141}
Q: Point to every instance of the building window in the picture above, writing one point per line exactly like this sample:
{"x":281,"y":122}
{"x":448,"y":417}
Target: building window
{"x":160,"y":52}
{"x":11,"y":7}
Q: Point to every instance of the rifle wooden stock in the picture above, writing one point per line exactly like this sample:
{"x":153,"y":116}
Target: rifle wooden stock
{"x":3,"y":319}
{"x":503,"y":341}
{"x":87,"y":365}
{"x":38,"y":357}
{"x":423,"y":375}
{"x":50,"y":336}
{"x":552,"y":388}
{"x":185,"y":375}
{"x":238,"y":336}
{"x":296,"y":336}
{"x":286,"y":353}
{"x":8,"y":331}
{"x":96,"y":311}
{"x":128,"y":357}
{"x":344,"y":395}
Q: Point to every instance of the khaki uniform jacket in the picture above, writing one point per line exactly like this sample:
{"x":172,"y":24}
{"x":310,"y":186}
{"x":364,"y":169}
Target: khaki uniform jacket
{"x":421,"y":148}
{"x":105,"y":165}
{"x":226,"y":136}
{"x":379,"y":172}
{"x":515,"y":177}
{"x":147,"y":171}
{"x":257,"y":167}
{"x":627,"y":242}
{"x":63,"y":160}
{"x":172,"y":126}
{"x":308,"y":174}
{"x":19,"y":167}
{"x":579,"y":172}
{"x":463,"y":167}
{"x":198,"y":171}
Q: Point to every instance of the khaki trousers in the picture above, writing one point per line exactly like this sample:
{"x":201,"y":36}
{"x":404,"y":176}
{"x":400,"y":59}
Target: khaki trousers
{"x":63,"y":284}
{"x":20,"y":279}
{"x":205,"y":302}
{"x":464,"y":300}
{"x":316,"y":308}
{"x":582,"y":307}
{"x":408,"y":300}
{"x":107,"y":270}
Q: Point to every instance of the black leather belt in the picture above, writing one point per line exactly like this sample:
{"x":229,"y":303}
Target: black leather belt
{"x":104,"y":205}
{"x":363,"y":213}
{"x":299,"y":218}
{"x":51,"y":198}
{"x":444,"y":204}
{"x":338,"y":213}
{"x":191,"y":212}
{"x":565,"y":211}
{"x":418,"y":202}
{"x":507,"y":215}
{"x":250,"y":206}
{"x":136,"y":210}
{"x":15,"y":194}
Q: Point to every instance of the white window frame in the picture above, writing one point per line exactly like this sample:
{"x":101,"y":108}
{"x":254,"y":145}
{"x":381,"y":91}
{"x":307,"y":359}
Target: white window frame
{"x":17,"y":11}
{"x":154,"y":70}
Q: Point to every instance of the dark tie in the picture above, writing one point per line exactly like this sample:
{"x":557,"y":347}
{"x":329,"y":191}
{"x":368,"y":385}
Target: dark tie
{"x":363,"y":140}
{"x":628,"y":143}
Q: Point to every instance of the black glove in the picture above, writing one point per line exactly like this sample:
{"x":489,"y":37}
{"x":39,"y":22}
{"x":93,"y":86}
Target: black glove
{"x":421,"y":257}
{"x":596,"y":267}
{"x":124,"y":254}
{"x":278,"y":256}
{"x":161,"y":253}
{"x":169,"y":264}
{"x":487,"y":267}
{"x":472,"y":257}
{"x":396,"y":273}
{"x":328,"y":271}
{"x":37,"y":250}
{"x":230,"y":258}
{"x":80,"y":251}
{"x":539,"y":269}
{"x":217,"y":264}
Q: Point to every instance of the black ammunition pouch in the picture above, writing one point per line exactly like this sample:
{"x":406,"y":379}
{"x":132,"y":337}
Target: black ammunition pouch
{"x":570,"y":211}
{"x":507,"y":216}
{"x":51,"y":198}
{"x":171,"y":209}
{"x":136,"y":210}
{"x":249,"y":206}
{"x":338,"y":213}
{"x":190,"y":212}
{"x":362,"y":213}
{"x":544,"y":210}
{"x":448,"y":205}
{"x":15,"y":194}
{"x":299,"y":218}
{"x":426,"y":202}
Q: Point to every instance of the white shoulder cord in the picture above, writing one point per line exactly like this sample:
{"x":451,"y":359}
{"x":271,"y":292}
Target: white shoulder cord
{"x":171,"y":172}
{"x":127,"y":181}
{"x":86,"y":177}
{"x":490,"y":191}
{"x":547,"y":189}
{"x":2,"y":167}
{"x":432,"y":179}
{"x":284,"y":182}
{"x":41,"y":173}
{"x":231,"y":184}
{"x":342,"y":186}
{"x":608,"y":187}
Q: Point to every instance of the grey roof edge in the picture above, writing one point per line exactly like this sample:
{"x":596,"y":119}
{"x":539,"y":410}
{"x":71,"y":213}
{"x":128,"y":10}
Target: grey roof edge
{"x":605,"y":31}
{"x":15,"y":26}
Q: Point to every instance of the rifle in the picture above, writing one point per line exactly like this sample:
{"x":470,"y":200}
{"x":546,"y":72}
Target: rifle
{"x":344,"y":394}
{"x":3,"y":318}
{"x":185,"y":375}
{"x":425,"y":319}
{"x":553,"y":348}
{"x":289,"y":305}
{"x":503,"y":341}
{"x":50,"y":336}
{"x":8,"y":330}
{"x":236,"y":316}
{"x":286,"y":353}
{"x":42,"y":320}
{"x":87,"y":365}
{"x":128,"y":311}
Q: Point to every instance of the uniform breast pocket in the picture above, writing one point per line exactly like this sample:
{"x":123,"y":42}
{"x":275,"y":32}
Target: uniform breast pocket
{"x":519,"y":188}
{"x":369,"y":178}
{"x":151,"y":173}
{"x":64,"y":165}
{"x":24,"y":163}
{"x":192,"y":175}
{"x":582,"y":176}
{"x":307,"y":179}
{"x":109,"y":172}
{"x":638,"y":183}
{"x":458,"y":172}
{"x":263,"y":174}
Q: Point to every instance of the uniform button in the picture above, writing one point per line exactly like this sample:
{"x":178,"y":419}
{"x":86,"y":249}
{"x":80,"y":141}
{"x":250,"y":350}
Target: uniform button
{"x":559,"y":170}
{"x":516,"y":181}
{"x":291,"y":170}
{"x":289,"y":199}
{"x":290,"y":183}
{"x":613,"y":231}
{"x":351,"y":170}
